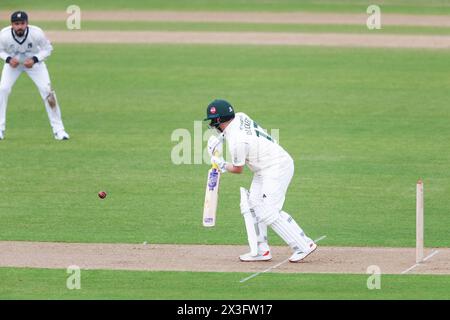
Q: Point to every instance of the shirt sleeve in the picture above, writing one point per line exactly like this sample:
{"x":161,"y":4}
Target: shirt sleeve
{"x":3,"y":54}
{"x":239,"y":154}
{"x":45,"y":47}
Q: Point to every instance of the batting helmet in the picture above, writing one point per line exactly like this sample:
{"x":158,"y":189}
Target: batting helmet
{"x":219,"y":111}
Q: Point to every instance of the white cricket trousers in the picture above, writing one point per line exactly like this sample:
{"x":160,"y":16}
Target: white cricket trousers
{"x":271,"y":186}
{"x":266,"y":198}
{"x":39,"y":74}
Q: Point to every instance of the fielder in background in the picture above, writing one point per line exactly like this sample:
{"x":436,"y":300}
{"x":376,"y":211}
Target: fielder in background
{"x":24,"y":48}
{"x":273,"y":169}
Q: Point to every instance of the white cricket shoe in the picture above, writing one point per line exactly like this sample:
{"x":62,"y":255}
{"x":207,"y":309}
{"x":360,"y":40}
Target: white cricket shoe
{"x":61,"y":135}
{"x":261,"y":256}
{"x":300,"y":255}
{"x":2,"y":135}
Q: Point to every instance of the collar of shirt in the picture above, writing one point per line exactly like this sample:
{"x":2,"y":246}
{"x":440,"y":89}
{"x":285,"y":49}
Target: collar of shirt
{"x":228,"y":128}
{"x":22,"y":39}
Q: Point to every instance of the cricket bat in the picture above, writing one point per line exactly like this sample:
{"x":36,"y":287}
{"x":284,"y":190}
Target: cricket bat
{"x":211,"y":197}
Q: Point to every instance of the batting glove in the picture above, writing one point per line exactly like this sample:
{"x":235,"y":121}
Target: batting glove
{"x":214,"y":144}
{"x":220,"y":163}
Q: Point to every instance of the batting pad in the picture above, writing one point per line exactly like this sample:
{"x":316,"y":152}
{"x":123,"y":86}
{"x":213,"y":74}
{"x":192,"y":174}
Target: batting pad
{"x":286,"y":227}
{"x":251,"y":224}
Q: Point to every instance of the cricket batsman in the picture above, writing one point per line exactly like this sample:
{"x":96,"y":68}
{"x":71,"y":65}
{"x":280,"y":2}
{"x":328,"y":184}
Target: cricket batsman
{"x":24,"y":48}
{"x":273,"y":169}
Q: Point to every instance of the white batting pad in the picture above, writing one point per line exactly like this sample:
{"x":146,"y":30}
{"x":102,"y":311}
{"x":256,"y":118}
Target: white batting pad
{"x":251,"y":224}
{"x":286,"y":227}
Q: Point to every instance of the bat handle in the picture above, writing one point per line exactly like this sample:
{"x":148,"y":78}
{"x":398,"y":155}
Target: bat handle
{"x":214,"y":166}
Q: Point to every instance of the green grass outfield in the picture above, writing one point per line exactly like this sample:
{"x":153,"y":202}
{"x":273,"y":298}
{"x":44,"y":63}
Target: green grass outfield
{"x":391,"y":6}
{"x":240,"y":27}
{"x":101,"y":284}
{"x":362,"y":125}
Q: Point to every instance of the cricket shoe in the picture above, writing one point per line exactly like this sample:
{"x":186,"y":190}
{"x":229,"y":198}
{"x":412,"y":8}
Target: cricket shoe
{"x":300,"y":255}
{"x":61,"y":135}
{"x":262,"y":256}
{"x":2,"y":135}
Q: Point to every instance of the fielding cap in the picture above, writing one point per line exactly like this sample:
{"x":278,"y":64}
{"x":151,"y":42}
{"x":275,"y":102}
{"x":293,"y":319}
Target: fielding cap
{"x":19,"y":16}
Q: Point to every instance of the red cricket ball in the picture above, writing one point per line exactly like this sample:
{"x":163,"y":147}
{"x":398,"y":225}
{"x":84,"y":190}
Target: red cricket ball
{"x":102,"y":194}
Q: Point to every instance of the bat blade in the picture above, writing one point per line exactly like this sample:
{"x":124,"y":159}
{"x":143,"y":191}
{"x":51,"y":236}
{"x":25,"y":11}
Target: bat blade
{"x":211,"y":198}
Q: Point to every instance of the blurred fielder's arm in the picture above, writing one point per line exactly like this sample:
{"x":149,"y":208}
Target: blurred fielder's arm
{"x":45,"y":48}
{"x":3,"y":54}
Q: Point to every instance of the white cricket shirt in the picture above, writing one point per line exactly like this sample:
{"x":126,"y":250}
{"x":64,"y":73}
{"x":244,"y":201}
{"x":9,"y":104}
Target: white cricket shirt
{"x":33,"y":43}
{"x":249,"y":144}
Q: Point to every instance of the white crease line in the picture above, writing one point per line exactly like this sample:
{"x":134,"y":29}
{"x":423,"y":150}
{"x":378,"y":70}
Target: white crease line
{"x":425,"y":259}
{"x":409,"y":269}
{"x":430,"y":255}
{"x":319,"y":239}
{"x":275,"y":266}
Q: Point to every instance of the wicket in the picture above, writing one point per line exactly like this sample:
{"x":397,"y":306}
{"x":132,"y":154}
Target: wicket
{"x":419,"y":221}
